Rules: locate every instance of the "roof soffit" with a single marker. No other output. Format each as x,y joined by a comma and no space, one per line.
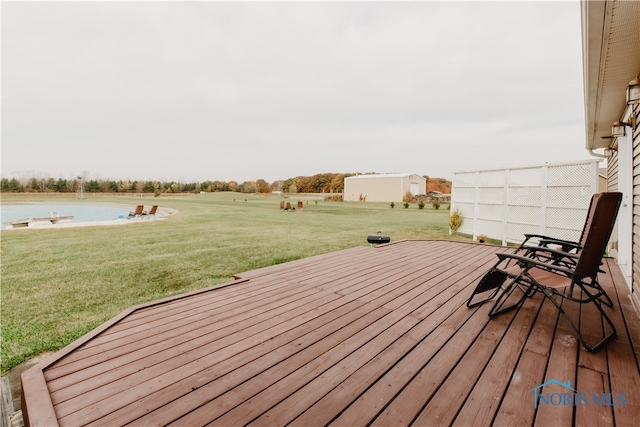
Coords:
611,58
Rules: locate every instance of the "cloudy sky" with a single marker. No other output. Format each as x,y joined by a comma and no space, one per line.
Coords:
197,91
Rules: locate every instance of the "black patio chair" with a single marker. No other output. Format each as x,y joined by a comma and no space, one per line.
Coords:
558,282
564,253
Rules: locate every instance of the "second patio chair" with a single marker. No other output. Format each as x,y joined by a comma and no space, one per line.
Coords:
515,274
567,251
151,212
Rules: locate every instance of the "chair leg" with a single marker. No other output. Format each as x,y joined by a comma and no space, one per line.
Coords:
600,293
592,348
498,306
491,281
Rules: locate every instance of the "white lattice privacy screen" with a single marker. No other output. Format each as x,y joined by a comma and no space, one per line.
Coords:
504,204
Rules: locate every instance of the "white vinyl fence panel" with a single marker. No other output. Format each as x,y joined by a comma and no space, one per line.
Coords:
550,199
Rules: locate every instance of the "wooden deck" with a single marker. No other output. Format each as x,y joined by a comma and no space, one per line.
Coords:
366,336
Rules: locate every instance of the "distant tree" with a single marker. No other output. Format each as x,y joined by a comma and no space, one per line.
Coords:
124,186
11,185
32,185
439,184
337,183
263,186
147,187
109,187
15,186
60,186
189,187
92,186
247,187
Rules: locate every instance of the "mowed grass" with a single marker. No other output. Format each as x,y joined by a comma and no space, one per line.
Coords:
58,284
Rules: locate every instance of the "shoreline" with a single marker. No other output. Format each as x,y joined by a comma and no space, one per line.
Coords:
161,215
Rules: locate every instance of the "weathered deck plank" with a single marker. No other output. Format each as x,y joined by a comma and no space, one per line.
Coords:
370,335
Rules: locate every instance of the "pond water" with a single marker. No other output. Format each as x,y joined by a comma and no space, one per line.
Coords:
80,213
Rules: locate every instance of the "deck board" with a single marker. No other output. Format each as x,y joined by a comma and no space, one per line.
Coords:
365,336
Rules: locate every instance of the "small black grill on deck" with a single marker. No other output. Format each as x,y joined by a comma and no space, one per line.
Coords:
378,238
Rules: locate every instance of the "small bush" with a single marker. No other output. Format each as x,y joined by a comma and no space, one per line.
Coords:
392,205
436,204
406,205
407,197
455,221
421,205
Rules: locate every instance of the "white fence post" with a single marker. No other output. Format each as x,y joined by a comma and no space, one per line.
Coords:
505,206
544,183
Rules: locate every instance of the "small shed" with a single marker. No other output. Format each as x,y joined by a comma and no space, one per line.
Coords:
383,187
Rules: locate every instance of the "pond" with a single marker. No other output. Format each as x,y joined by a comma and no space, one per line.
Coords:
80,213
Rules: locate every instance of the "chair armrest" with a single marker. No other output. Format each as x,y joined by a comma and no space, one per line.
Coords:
550,239
532,262
557,252
566,244
528,237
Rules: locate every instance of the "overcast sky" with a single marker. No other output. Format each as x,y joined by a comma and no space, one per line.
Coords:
196,91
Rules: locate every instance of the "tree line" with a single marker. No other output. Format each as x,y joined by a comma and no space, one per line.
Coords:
319,183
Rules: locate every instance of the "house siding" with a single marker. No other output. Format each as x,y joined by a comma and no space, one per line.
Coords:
612,185
635,254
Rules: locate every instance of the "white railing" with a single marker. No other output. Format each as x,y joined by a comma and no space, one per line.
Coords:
504,204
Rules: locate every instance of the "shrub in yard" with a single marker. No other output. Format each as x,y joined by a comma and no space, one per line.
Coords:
455,221
436,204
406,205
421,205
392,205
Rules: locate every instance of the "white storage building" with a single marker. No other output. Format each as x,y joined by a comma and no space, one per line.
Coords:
383,187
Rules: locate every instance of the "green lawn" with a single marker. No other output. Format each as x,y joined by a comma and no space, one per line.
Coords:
58,284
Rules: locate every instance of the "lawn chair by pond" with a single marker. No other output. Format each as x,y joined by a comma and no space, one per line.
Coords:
137,213
558,281
152,211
